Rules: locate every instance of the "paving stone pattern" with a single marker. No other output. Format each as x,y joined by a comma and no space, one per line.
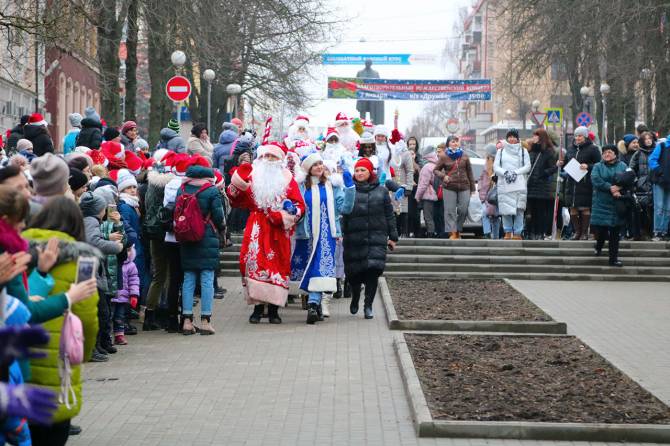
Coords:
335,383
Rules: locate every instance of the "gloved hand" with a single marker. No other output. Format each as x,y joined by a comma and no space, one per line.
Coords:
35,403
399,194
347,178
15,342
133,302
289,207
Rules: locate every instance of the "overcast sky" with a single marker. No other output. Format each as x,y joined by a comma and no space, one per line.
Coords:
389,27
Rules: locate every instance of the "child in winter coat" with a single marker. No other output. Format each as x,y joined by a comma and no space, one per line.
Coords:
126,296
426,193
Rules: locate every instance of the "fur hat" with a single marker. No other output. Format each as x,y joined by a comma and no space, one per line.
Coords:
75,119
125,179
309,161
367,138
381,130
50,175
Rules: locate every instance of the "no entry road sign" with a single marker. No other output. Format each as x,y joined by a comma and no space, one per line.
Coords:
178,88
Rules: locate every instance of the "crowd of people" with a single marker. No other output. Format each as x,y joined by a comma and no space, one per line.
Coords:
318,215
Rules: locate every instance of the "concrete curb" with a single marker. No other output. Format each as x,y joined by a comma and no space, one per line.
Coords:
426,426
455,325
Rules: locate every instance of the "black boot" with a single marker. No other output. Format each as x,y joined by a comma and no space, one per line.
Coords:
312,314
255,317
273,315
173,324
367,306
355,298
150,321
347,289
338,294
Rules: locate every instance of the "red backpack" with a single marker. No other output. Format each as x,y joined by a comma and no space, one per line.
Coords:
189,224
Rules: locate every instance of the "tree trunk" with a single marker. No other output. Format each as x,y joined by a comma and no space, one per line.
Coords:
131,62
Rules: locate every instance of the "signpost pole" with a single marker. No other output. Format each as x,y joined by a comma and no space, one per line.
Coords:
179,115
554,228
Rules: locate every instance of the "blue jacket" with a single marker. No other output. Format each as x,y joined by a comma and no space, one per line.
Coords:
222,151
70,141
344,203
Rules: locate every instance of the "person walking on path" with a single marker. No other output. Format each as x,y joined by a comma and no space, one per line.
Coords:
369,230
454,169
511,165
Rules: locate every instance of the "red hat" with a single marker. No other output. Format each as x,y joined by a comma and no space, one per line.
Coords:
127,126
218,178
148,163
367,165
592,136
167,159
180,163
238,122
114,175
332,131
98,157
301,121
341,118
112,149
134,163
197,160
37,119
272,148
241,176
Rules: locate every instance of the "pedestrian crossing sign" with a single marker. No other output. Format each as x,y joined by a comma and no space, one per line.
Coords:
554,116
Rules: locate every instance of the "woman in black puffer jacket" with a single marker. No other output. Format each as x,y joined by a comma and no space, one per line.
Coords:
368,230
540,197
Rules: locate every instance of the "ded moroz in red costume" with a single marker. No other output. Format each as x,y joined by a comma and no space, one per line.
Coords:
265,257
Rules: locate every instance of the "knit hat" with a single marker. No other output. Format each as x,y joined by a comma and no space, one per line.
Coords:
426,150
490,149
583,131
106,191
272,148
237,122
381,130
332,131
24,144
91,204
78,161
128,125
173,124
341,118
110,133
112,149
309,161
75,119
77,179
367,138
197,171
511,132
50,174
141,144
37,119
92,114
367,165
125,179
629,138
230,126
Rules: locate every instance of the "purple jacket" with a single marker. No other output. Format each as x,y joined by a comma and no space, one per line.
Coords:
425,189
131,280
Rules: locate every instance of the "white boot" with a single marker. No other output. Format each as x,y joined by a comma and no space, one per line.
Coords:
325,304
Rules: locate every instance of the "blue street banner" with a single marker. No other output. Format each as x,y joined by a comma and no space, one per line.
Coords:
412,90
377,59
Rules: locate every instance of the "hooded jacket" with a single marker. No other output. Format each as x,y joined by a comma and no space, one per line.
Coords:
222,150
153,201
171,140
40,138
511,158
130,280
425,189
90,135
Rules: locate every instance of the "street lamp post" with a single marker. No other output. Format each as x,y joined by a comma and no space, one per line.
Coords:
234,90
604,91
209,76
178,59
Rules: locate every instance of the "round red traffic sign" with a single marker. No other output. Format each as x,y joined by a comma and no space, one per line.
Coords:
178,88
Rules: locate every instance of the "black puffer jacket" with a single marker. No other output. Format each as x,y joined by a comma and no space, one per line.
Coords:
90,135
367,229
14,136
543,167
579,195
40,138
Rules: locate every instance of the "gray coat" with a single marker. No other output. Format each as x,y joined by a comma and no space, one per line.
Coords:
511,158
403,164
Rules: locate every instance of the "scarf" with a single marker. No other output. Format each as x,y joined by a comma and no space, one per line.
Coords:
10,240
130,200
455,154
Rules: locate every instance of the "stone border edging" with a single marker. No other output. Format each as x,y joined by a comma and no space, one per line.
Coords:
426,426
533,327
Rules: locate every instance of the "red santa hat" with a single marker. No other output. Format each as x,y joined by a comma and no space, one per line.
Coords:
160,154
340,119
37,119
180,164
134,163
168,159
272,148
301,121
148,164
98,158
241,176
198,160
114,175
332,131
112,149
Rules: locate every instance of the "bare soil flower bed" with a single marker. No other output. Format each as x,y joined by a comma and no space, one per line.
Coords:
466,300
527,378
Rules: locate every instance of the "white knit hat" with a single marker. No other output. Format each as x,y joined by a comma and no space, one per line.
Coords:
125,179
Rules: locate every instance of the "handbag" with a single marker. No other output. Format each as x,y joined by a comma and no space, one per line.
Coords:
492,195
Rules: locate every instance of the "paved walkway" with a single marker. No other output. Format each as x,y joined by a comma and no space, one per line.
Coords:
334,383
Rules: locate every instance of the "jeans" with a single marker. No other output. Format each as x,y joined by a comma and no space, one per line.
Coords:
661,209
314,297
455,209
119,317
513,223
490,224
206,291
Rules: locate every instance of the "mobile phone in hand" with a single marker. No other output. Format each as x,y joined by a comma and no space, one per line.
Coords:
86,267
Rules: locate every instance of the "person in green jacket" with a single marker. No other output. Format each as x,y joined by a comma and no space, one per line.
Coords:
605,220
61,218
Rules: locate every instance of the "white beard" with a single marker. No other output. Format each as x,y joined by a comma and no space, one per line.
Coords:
268,184
333,152
348,137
